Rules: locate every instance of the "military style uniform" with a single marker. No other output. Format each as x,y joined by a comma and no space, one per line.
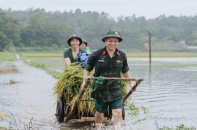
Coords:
109,90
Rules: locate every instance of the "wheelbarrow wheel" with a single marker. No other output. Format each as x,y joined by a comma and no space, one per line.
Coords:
60,110
123,113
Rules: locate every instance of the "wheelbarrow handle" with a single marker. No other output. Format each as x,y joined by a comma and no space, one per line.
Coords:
83,90
113,78
138,81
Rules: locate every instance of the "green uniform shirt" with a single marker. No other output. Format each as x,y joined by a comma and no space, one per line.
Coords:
109,90
68,54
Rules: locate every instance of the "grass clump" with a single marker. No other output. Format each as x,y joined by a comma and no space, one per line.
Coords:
3,116
35,64
133,110
180,127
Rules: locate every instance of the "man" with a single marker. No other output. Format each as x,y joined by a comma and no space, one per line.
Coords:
108,62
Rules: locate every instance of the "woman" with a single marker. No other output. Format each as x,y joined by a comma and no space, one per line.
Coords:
70,55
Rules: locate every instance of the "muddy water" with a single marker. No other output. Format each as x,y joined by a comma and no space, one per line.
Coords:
30,100
168,93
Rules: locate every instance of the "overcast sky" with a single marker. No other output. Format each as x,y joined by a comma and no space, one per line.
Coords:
115,8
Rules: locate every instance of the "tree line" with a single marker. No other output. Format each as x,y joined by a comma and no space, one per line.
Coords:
37,28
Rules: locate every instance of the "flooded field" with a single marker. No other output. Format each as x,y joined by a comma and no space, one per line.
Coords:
166,97
169,90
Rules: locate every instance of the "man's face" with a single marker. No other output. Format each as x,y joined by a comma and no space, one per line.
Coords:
83,45
74,42
111,43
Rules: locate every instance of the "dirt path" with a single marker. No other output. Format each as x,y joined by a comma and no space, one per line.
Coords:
29,99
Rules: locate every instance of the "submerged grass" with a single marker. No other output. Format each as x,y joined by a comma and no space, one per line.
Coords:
179,127
4,116
140,114
133,110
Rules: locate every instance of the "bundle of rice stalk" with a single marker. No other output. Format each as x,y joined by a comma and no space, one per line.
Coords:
86,105
70,80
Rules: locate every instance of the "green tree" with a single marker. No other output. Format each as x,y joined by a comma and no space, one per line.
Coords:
9,31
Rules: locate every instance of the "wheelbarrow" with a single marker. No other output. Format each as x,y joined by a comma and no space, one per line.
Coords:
65,114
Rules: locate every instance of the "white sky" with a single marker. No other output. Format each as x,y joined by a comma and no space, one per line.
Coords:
115,8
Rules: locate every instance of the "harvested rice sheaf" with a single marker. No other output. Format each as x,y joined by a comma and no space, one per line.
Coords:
70,81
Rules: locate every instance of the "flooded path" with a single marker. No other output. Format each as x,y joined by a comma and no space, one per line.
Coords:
29,100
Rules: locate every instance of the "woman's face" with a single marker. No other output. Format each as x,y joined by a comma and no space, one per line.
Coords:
74,42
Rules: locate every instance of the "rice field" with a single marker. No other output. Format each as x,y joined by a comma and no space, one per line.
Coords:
134,54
